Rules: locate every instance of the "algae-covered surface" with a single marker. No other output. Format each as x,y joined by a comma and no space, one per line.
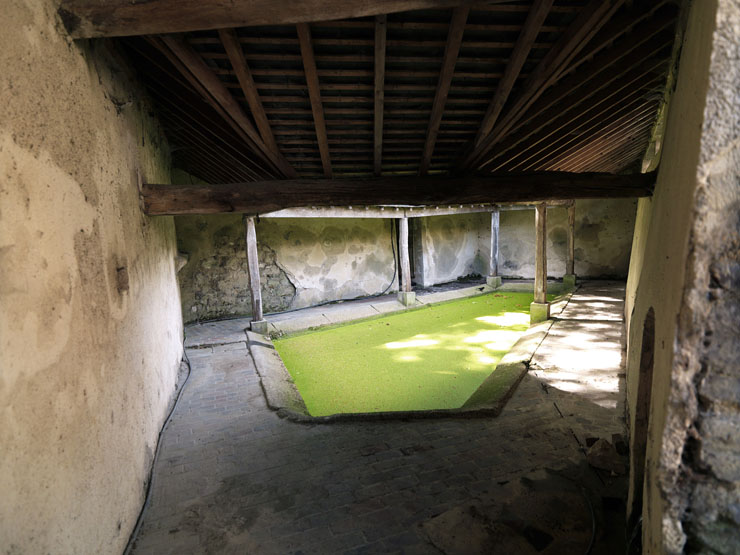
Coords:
431,358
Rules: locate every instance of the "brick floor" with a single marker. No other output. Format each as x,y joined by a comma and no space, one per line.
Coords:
232,477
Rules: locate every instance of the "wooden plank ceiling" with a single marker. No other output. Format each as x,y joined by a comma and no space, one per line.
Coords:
520,86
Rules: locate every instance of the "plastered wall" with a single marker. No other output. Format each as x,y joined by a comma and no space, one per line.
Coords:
603,235
90,326
686,268
451,247
303,261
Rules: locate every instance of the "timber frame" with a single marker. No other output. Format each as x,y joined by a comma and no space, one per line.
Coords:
409,102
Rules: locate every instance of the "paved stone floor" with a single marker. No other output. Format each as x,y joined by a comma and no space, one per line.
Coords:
232,477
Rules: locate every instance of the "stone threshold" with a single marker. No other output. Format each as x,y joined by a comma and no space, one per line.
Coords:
283,397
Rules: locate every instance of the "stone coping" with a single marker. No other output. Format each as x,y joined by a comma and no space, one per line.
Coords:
283,396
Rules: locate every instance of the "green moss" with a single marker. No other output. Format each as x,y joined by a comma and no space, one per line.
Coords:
433,358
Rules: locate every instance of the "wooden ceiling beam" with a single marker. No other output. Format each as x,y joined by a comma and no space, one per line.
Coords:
269,196
381,22
584,27
314,93
115,18
234,51
452,48
218,95
532,25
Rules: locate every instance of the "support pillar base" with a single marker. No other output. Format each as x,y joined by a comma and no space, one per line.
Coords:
259,326
493,281
407,298
538,312
569,281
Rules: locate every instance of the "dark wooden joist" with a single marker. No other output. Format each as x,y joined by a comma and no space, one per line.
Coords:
524,42
381,22
217,94
270,196
116,18
234,51
314,94
452,48
604,69
584,27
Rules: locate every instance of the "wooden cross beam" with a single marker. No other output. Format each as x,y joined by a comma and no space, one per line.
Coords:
270,196
115,18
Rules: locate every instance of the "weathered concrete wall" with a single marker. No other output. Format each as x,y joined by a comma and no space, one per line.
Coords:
603,235
90,327
690,276
303,261
451,247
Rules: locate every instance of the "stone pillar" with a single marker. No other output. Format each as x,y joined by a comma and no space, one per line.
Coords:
539,310
493,279
258,323
569,279
405,295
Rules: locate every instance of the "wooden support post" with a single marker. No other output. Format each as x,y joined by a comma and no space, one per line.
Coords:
405,295
540,308
258,323
493,279
569,279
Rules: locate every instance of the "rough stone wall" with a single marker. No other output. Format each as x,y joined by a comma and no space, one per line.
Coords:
603,235
215,281
90,327
690,275
451,247
303,261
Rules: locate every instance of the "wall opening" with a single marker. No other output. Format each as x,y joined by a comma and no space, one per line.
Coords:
640,436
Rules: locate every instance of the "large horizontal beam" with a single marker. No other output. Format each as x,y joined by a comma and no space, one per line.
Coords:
269,196
115,18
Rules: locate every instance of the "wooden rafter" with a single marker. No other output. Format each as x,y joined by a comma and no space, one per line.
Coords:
270,196
581,111
452,48
602,71
536,17
578,34
379,93
218,94
314,93
234,51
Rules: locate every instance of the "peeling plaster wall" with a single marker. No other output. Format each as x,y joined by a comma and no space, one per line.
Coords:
603,235
90,327
340,258
451,247
303,261
690,276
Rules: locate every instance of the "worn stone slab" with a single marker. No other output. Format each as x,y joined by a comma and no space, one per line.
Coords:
388,307
277,384
347,313
514,364
215,333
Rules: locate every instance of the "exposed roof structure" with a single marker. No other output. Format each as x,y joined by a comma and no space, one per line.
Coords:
490,87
